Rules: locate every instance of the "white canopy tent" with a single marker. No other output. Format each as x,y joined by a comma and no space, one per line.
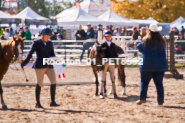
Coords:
89,6
80,17
29,15
147,21
110,16
5,15
150,18
177,22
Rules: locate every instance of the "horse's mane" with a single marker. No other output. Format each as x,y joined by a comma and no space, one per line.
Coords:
7,43
93,52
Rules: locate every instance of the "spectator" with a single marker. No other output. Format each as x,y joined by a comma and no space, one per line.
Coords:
178,49
183,31
59,36
6,34
135,33
53,37
111,29
176,31
27,33
80,34
1,31
125,31
142,32
87,45
12,32
99,29
90,32
154,63
106,29
21,32
117,32
182,44
180,37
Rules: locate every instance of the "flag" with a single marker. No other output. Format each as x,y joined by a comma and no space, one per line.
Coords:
61,76
22,3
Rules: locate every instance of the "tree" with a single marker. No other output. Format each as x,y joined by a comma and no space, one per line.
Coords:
161,10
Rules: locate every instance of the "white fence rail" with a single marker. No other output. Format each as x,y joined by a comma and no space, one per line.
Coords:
73,48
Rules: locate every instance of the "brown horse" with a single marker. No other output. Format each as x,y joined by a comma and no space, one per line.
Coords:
8,50
94,52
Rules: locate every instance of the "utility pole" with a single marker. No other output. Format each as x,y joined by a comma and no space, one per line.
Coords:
17,6
54,8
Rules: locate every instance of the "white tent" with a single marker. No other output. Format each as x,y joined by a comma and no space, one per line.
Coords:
89,6
5,15
28,13
147,21
29,16
177,22
150,18
80,17
110,16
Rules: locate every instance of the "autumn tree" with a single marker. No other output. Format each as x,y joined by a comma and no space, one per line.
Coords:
161,10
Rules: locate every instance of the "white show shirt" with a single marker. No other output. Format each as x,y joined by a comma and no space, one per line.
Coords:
108,43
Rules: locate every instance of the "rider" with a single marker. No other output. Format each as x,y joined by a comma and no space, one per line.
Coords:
44,49
110,52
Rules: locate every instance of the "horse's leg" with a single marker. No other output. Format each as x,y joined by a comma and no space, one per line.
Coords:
122,77
96,81
2,100
105,91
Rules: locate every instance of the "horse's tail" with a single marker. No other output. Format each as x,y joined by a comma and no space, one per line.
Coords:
121,74
119,77
89,50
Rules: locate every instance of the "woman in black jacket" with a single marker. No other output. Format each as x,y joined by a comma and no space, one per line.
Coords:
44,49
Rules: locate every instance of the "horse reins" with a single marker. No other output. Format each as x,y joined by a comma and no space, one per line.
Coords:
21,67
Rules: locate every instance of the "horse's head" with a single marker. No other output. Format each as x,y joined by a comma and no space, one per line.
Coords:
98,53
18,46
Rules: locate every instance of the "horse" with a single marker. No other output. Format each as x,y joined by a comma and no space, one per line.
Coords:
95,52
8,50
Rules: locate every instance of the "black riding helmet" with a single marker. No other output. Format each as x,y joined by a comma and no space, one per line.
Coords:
47,31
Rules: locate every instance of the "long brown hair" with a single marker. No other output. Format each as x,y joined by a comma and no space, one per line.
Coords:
152,38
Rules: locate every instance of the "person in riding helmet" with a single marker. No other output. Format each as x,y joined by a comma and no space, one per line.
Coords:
110,52
44,49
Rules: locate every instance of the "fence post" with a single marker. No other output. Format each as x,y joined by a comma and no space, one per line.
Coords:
174,73
65,51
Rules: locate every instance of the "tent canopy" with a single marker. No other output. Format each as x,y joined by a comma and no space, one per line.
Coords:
147,21
28,13
177,22
80,17
110,16
5,15
89,6
150,18
179,27
28,16
6,18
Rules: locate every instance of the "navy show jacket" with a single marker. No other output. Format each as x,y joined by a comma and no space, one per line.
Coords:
153,59
42,51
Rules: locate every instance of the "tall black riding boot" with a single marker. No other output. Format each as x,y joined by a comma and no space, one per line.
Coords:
52,90
37,95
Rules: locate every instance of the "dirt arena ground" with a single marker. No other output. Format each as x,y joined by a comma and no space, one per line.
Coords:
78,103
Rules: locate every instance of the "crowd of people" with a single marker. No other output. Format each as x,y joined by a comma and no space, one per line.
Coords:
92,33
6,33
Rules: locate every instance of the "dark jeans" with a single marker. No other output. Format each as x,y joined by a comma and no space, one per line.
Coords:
158,80
86,46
